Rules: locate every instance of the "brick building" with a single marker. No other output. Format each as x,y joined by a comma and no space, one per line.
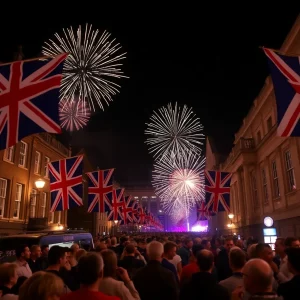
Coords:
21,203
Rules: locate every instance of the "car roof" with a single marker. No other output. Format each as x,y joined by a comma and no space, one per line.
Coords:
43,233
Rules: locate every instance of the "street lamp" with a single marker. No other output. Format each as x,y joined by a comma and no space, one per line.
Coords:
231,216
39,184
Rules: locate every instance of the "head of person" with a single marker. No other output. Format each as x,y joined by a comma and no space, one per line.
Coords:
155,251
129,250
265,252
237,259
8,274
293,260
205,260
292,242
170,250
110,263
22,252
188,243
90,269
195,249
42,286
57,256
258,276
36,251
280,246
206,244
228,244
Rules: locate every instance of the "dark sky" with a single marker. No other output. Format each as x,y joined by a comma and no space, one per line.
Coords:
207,58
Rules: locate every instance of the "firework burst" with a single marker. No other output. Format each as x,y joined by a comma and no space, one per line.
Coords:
179,181
92,64
73,115
174,130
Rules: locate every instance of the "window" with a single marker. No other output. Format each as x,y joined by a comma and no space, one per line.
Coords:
269,123
32,210
3,188
275,180
37,162
43,205
58,217
254,189
23,154
18,199
46,170
51,217
9,154
290,171
265,186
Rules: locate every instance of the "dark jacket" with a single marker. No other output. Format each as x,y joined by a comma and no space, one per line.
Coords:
222,265
154,282
204,286
289,289
131,264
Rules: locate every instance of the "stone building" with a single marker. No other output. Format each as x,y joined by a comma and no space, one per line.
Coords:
265,167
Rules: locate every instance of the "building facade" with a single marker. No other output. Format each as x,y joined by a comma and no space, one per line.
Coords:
146,197
21,203
265,167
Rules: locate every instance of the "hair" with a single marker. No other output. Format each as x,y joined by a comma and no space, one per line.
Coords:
260,247
7,271
130,249
237,258
196,248
205,260
44,247
281,240
110,263
168,246
100,246
80,253
155,250
113,241
41,286
55,254
260,273
20,249
289,240
34,247
294,258
90,267
204,242
251,251
228,239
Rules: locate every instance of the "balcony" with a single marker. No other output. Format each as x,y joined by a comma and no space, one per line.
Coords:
243,145
53,142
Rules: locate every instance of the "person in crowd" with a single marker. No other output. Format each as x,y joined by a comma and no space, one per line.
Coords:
185,251
42,286
265,252
257,282
203,285
251,251
129,262
109,285
141,247
292,242
222,260
237,260
8,280
43,260
154,281
57,259
90,270
280,249
291,288
34,261
120,248
206,244
169,253
23,255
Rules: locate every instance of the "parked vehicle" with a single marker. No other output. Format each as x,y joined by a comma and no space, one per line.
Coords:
67,238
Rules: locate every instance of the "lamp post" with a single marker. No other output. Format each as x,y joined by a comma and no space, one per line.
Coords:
39,184
230,216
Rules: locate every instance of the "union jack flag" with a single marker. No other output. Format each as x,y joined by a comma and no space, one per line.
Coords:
135,212
126,210
29,97
142,215
285,73
115,203
99,184
66,183
203,213
217,187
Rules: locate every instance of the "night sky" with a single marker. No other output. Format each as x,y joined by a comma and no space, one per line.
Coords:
204,58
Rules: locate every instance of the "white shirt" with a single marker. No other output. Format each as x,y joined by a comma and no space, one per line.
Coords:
284,274
23,269
175,261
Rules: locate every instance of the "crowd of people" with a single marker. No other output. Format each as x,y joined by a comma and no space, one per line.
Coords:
162,266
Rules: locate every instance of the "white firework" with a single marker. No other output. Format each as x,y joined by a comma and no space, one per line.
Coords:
92,64
179,181
174,130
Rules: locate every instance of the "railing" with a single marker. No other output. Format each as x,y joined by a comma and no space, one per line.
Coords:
54,143
244,145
